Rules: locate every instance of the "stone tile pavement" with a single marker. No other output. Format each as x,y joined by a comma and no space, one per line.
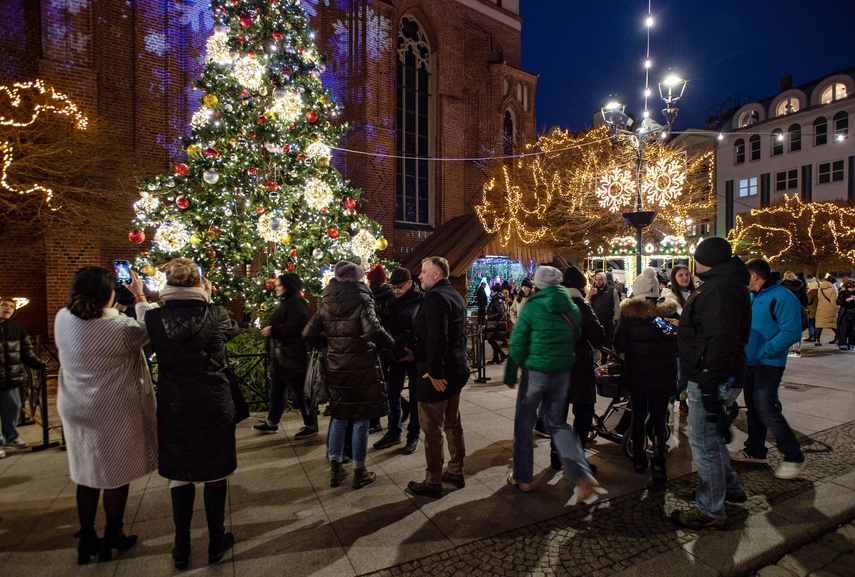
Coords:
289,521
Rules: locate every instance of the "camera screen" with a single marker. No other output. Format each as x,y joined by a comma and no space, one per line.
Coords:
123,271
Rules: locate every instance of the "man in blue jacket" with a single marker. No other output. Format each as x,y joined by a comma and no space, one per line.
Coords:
776,323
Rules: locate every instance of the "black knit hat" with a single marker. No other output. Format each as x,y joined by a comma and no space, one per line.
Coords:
574,278
527,282
713,251
400,276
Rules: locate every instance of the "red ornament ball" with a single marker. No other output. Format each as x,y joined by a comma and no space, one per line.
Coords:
286,147
323,210
182,202
271,185
181,169
209,152
259,209
261,119
136,236
301,157
277,35
211,252
250,53
252,134
241,38
293,252
215,230
292,126
245,20
332,232
350,204
290,267
244,92
270,284
312,116
252,170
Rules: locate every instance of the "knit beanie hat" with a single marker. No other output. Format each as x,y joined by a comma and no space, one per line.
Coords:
376,275
400,276
574,278
527,282
348,272
646,285
713,251
546,276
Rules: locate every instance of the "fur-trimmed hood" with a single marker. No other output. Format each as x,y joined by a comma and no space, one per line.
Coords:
647,309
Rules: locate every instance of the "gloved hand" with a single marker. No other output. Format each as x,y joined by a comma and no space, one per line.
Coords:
713,405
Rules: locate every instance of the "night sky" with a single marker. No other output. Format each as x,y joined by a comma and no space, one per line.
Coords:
584,51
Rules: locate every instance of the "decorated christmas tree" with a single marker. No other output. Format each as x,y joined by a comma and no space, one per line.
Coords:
256,195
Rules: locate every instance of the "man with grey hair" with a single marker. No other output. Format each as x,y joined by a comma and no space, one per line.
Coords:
442,370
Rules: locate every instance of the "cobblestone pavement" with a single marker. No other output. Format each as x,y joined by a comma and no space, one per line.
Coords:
618,536
833,555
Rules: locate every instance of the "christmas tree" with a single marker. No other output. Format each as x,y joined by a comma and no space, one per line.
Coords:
256,192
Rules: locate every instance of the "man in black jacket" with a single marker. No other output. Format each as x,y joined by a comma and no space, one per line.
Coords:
16,350
605,301
400,322
441,362
481,295
712,334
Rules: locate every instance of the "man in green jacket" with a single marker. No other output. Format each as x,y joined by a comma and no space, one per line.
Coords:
543,344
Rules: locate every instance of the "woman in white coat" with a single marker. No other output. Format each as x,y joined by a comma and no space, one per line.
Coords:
106,402
826,307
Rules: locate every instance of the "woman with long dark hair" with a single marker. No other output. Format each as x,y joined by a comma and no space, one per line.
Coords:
106,403
681,288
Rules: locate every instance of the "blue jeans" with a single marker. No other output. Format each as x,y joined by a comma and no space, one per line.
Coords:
764,412
395,385
359,445
550,389
10,412
710,454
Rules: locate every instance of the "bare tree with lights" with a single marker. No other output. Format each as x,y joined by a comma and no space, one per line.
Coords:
256,184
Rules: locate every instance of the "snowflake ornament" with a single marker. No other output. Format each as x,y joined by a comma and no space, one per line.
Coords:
616,189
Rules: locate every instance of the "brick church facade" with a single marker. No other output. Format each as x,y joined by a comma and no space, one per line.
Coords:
425,84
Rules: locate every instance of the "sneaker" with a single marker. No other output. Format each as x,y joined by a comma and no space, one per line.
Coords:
524,487
586,487
789,470
791,354
305,433
696,520
797,354
452,479
741,456
841,347
411,446
540,429
266,428
808,340
387,440
16,445
2,453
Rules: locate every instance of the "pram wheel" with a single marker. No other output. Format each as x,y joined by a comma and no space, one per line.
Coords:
626,441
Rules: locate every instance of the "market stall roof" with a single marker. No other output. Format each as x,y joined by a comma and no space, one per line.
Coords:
462,240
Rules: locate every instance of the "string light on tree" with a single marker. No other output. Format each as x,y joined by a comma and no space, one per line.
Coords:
363,244
171,237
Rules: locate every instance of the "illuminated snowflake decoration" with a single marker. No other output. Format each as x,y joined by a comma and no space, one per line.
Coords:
156,282
249,72
217,49
378,36
663,181
272,227
318,151
616,189
318,194
287,105
171,237
363,245
201,117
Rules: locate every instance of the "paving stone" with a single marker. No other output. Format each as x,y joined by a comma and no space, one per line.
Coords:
774,571
840,568
800,563
837,542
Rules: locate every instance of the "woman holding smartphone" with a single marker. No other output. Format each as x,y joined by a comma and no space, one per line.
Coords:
107,406
195,410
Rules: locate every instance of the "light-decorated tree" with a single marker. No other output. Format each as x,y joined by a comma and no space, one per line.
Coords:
256,192
813,236
569,192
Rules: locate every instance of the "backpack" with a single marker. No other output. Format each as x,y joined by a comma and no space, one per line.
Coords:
805,318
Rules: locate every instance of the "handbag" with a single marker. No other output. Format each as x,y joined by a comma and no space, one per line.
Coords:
241,407
315,385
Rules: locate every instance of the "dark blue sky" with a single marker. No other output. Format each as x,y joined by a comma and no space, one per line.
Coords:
584,51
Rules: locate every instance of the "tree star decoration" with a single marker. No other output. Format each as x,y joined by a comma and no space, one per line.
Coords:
171,237
663,181
363,245
616,189
318,194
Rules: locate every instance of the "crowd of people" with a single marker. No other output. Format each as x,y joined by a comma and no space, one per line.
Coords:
726,331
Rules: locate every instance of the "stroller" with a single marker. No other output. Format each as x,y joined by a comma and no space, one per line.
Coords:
615,422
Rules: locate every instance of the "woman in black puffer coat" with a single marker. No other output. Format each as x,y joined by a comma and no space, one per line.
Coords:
195,410
496,330
649,374
347,319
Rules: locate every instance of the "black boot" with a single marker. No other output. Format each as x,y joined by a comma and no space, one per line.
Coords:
219,542
114,507
657,468
88,546
183,498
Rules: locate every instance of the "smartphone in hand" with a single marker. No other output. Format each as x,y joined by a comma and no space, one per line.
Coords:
664,325
123,272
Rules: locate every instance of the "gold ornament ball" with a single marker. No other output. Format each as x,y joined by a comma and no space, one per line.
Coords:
382,243
148,270
210,236
194,150
210,100
195,238
285,238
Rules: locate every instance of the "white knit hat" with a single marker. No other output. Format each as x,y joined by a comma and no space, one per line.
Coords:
646,285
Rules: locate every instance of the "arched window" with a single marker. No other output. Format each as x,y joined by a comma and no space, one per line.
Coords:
787,106
739,147
777,142
820,131
832,92
795,132
841,125
754,145
748,118
413,171
509,134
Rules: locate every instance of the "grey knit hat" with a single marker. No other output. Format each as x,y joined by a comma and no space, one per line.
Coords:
546,276
348,272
